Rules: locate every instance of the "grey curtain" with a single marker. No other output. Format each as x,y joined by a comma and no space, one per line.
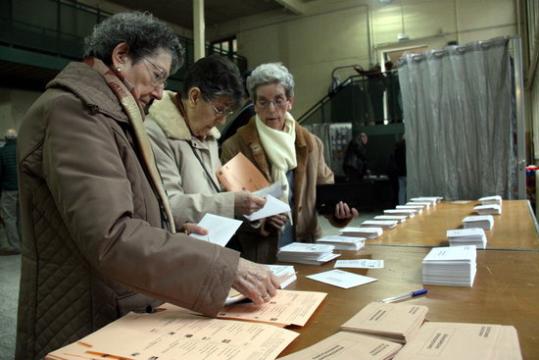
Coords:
459,121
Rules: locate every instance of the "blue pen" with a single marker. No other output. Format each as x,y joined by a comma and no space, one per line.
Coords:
405,296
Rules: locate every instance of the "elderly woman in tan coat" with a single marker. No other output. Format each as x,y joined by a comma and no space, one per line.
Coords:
284,152
181,127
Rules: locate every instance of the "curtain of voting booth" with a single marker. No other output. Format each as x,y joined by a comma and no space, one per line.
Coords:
460,124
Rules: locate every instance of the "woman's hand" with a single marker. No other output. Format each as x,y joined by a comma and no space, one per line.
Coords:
192,228
277,221
255,281
343,211
246,203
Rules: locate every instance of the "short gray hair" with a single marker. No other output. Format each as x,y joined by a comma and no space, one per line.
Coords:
271,73
143,33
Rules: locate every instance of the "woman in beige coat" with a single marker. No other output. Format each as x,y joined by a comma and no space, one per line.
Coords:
181,127
284,152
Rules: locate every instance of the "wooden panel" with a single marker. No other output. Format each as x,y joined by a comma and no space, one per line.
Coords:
513,229
506,291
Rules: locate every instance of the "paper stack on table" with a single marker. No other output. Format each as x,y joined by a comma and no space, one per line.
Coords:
406,212
343,242
306,253
491,200
417,208
471,236
178,334
424,204
346,346
366,232
450,266
287,307
384,224
399,218
396,322
431,199
485,222
488,209
449,341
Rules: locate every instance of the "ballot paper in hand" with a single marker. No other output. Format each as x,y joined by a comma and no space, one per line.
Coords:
220,229
342,279
360,264
272,207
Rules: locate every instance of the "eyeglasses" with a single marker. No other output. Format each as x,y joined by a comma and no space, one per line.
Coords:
278,102
158,75
226,112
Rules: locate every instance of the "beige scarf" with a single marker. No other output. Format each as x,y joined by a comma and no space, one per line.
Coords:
136,117
280,149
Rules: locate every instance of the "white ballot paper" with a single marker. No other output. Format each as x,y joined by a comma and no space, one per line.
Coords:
272,207
173,335
342,279
360,264
220,229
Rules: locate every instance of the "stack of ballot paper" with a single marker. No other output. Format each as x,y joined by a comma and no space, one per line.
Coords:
417,208
451,266
424,204
175,333
306,253
471,236
405,212
287,307
398,218
396,322
366,232
430,199
488,209
485,222
343,242
449,341
384,224
286,274
346,345
491,200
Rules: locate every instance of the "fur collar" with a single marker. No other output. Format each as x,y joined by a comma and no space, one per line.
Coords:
166,114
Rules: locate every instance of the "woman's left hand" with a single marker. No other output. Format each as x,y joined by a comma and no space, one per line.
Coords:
343,211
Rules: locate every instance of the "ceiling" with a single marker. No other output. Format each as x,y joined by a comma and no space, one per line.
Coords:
180,12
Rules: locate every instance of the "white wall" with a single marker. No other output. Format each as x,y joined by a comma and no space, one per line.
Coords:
336,32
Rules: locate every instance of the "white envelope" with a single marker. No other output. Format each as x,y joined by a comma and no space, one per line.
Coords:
272,207
220,229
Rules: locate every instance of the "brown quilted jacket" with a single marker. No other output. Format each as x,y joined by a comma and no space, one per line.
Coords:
93,248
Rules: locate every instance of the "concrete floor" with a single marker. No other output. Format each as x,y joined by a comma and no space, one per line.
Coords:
9,289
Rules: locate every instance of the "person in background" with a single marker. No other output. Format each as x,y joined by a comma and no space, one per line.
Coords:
99,239
355,163
9,201
287,153
181,127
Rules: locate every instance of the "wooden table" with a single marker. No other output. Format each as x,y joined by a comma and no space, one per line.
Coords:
506,288
513,229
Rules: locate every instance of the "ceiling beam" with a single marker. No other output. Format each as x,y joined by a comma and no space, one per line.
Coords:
295,6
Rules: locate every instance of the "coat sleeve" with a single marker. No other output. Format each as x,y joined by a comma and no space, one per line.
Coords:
325,175
185,207
87,177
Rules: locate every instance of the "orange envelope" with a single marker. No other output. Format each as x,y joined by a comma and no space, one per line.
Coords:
240,174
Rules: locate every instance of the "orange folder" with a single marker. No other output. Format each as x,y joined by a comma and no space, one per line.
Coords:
240,174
